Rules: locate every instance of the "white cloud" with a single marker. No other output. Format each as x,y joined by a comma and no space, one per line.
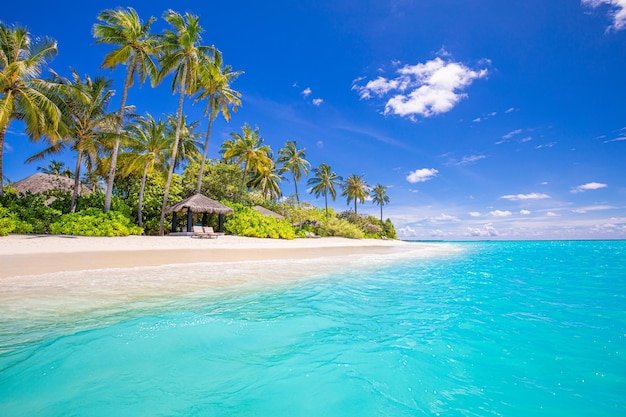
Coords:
583,210
512,133
421,175
552,214
319,144
443,218
587,187
617,13
477,120
526,139
547,145
470,159
306,92
500,213
524,212
531,196
510,110
474,214
621,138
486,231
317,101
424,89
7,147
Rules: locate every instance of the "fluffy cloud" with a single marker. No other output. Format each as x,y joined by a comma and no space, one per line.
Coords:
421,175
531,196
588,186
524,212
424,89
306,92
317,101
618,11
500,213
486,231
443,218
474,214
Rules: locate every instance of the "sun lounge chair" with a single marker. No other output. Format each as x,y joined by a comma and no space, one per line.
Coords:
198,231
311,235
210,233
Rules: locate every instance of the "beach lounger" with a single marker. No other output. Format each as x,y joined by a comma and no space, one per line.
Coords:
210,233
311,235
198,231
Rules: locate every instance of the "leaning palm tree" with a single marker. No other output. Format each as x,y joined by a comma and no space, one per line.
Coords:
135,47
355,188
380,197
182,56
148,148
247,149
324,182
293,160
87,121
23,94
214,87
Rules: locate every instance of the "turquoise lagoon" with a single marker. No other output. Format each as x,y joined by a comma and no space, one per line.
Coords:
488,329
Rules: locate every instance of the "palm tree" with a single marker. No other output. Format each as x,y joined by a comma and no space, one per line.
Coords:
148,148
247,149
293,161
56,168
355,188
380,197
86,120
23,95
182,55
188,143
324,182
267,180
214,86
135,47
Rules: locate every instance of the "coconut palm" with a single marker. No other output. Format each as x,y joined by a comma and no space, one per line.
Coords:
23,94
182,56
136,48
267,180
293,160
324,182
380,197
247,149
56,168
86,120
148,148
355,188
214,87
188,142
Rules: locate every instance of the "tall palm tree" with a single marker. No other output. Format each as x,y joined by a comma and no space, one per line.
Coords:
86,119
182,56
247,149
135,47
188,142
293,160
380,197
23,94
267,179
324,182
214,87
355,188
148,148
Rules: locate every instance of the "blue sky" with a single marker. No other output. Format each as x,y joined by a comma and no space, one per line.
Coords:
486,119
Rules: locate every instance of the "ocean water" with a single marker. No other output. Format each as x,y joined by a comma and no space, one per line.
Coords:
492,329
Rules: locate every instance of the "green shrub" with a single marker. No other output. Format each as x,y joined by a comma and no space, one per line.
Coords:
93,222
340,228
30,209
249,222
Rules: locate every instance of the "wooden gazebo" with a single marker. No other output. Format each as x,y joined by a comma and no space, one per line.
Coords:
198,203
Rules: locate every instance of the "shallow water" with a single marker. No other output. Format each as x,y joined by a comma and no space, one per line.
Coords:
499,328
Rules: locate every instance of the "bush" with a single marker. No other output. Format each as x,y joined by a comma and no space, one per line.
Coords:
340,228
9,223
249,222
31,210
93,222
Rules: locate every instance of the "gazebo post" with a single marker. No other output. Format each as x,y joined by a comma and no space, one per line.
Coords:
220,227
189,220
204,219
174,218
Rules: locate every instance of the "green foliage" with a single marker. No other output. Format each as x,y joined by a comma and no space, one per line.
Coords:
30,209
388,230
249,222
220,181
7,222
93,222
340,228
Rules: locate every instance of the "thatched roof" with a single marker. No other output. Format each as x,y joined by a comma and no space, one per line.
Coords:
267,212
40,182
199,203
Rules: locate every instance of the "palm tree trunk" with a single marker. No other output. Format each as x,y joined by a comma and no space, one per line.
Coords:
355,205
295,183
170,172
141,189
206,147
326,202
118,130
3,133
381,220
79,158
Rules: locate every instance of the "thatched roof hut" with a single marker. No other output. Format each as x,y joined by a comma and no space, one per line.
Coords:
40,183
268,213
198,203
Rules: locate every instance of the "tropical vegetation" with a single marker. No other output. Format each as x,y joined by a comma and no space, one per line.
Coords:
136,165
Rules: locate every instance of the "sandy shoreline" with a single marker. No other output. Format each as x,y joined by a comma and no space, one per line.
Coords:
22,255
